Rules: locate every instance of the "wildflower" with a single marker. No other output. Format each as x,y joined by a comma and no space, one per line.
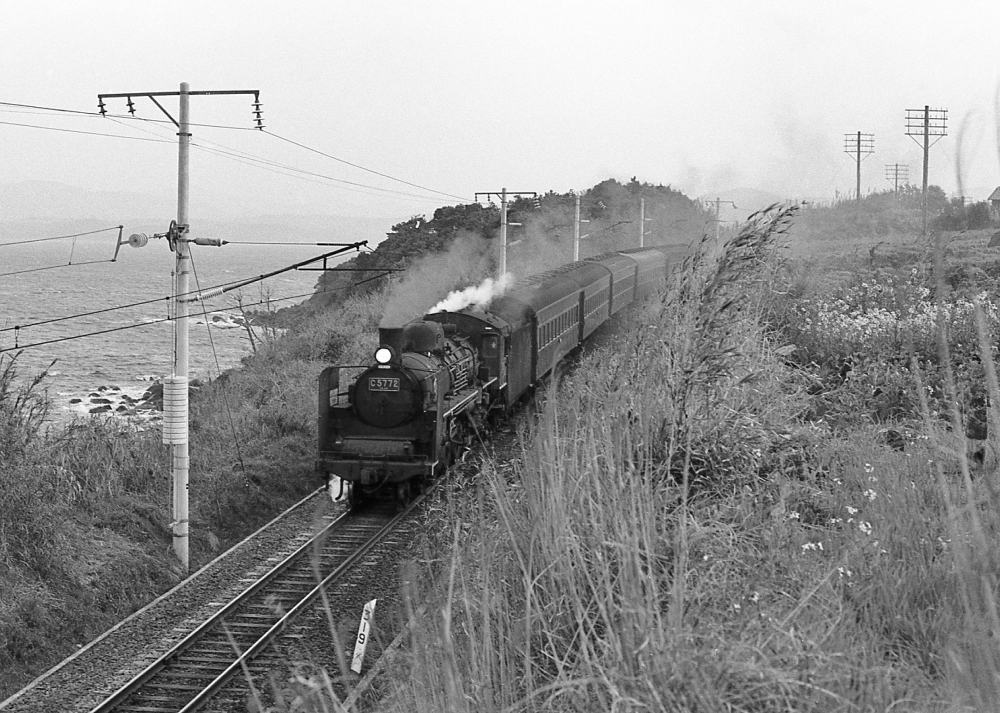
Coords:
869,468
865,527
844,572
850,510
812,546
870,494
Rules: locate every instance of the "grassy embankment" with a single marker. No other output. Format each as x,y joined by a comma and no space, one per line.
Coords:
85,510
760,499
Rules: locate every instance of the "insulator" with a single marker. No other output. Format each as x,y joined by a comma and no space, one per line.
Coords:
216,242
131,107
138,240
100,106
206,295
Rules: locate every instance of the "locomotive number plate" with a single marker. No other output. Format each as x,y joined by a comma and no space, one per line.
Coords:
376,383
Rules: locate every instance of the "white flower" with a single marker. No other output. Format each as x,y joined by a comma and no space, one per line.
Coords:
870,494
865,527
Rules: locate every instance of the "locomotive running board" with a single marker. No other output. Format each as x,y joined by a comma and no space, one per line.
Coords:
464,402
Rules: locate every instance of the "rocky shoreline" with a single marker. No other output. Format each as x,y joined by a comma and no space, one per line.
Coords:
116,401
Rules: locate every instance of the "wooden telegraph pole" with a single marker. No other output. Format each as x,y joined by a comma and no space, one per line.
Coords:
925,123
859,146
896,172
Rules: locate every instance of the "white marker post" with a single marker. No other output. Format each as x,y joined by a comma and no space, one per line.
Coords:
362,642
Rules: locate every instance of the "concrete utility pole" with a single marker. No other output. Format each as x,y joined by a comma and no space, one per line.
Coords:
859,146
718,221
503,221
576,231
642,222
175,387
926,123
896,172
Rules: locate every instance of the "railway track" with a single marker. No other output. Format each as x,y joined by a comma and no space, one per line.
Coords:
198,667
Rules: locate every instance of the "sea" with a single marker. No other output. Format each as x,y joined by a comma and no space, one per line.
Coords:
96,327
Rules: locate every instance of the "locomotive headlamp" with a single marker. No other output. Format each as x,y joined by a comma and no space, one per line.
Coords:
383,355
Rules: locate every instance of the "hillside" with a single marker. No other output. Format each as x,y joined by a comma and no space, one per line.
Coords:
457,246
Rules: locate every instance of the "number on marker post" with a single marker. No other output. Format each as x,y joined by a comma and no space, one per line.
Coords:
362,642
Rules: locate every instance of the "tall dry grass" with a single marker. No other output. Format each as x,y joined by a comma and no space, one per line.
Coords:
599,571
676,535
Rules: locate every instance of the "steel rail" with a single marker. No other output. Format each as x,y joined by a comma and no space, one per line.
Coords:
161,598
121,696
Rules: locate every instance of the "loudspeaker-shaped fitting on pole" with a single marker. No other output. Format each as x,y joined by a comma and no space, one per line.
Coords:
175,410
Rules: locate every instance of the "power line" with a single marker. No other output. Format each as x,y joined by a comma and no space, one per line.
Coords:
50,108
218,368
61,237
249,157
158,321
117,307
81,336
88,133
363,168
52,267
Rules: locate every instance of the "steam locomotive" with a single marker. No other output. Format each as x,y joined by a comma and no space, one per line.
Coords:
435,381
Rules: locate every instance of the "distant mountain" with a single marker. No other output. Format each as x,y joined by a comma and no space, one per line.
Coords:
47,200
33,209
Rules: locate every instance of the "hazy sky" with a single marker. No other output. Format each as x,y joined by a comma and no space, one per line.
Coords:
461,97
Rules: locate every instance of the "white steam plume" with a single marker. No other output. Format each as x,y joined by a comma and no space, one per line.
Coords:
478,295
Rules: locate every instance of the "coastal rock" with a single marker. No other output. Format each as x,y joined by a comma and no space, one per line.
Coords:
112,400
